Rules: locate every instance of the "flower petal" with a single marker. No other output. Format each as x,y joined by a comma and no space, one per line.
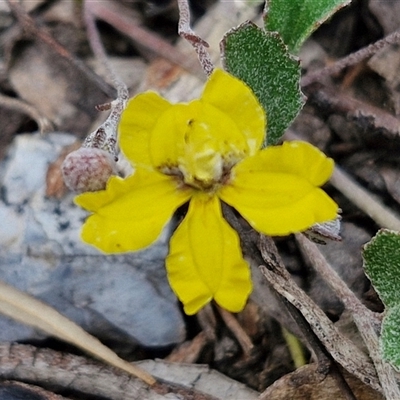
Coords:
137,123
234,98
276,190
205,259
131,213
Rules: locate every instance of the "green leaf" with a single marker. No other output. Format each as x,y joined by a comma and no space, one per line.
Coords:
295,20
390,337
382,266
262,61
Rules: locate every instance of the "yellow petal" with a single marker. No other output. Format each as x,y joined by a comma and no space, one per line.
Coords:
234,98
131,213
277,192
137,123
205,259
197,137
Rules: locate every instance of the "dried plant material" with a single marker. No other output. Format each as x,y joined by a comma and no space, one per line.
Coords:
324,232
392,180
28,310
55,91
188,352
350,60
55,186
44,124
366,321
239,333
341,349
367,202
308,383
91,379
28,5
386,63
12,390
196,41
387,12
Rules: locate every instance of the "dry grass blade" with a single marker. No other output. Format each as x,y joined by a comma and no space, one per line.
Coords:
382,215
28,310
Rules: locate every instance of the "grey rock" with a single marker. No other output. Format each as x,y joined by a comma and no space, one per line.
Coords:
119,297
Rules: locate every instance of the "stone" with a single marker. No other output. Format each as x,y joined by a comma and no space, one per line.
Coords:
114,297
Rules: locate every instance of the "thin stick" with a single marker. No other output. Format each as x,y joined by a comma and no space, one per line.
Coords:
12,103
320,333
366,321
196,41
119,17
105,137
367,202
28,310
29,25
234,326
341,349
351,59
374,122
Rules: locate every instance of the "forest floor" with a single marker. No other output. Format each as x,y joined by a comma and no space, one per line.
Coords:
351,115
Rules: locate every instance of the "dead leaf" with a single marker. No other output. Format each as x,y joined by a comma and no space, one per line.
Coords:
307,383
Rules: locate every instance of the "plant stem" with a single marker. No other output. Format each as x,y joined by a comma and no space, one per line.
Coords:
342,349
196,41
30,27
44,124
351,59
105,137
234,326
382,215
366,321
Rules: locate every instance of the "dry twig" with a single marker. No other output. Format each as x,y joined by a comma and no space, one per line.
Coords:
119,17
367,202
105,136
196,41
351,59
367,322
44,124
234,326
30,27
339,347
373,120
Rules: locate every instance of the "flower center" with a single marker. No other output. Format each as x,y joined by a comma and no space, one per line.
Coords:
198,144
206,171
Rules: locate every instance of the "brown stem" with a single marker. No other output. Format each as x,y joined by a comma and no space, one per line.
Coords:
44,124
351,59
314,329
196,41
373,120
234,326
119,17
366,321
30,27
105,137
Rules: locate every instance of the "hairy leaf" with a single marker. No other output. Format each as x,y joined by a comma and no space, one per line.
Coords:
295,20
390,337
262,61
382,265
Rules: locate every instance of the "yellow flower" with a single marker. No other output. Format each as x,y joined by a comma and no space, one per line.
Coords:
205,152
